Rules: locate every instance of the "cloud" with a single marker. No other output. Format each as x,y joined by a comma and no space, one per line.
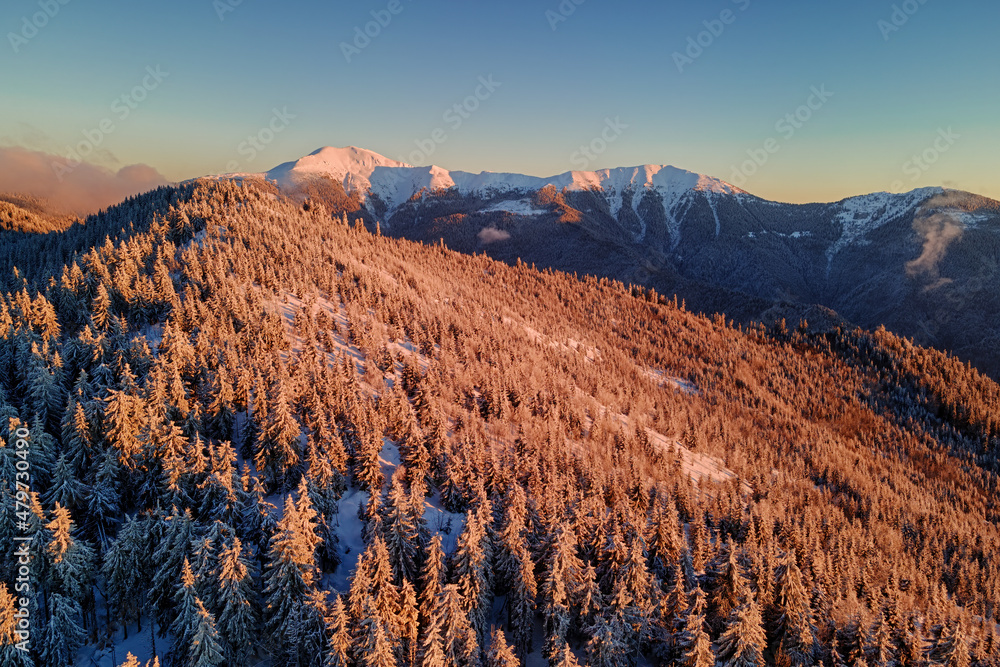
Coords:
492,235
78,188
939,230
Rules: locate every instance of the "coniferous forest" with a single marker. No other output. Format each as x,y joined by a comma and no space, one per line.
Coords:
238,429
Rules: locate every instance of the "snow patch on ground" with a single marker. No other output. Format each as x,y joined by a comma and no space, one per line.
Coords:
662,379
517,207
862,215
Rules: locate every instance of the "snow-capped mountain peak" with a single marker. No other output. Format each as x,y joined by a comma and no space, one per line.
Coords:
367,173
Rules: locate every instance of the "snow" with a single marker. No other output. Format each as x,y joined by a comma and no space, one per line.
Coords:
967,219
793,235
395,183
517,207
860,216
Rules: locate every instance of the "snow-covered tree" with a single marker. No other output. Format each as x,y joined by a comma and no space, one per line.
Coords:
238,617
500,653
742,643
63,634
794,630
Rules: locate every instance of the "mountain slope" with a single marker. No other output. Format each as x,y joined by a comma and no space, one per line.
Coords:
923,263
242,400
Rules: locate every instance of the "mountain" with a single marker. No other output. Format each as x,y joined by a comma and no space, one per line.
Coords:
923,263
25,213
252,433
238,430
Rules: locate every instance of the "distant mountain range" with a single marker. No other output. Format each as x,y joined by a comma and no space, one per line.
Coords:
925,264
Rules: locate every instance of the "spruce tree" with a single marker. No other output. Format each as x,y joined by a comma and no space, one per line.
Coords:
401,535
70,562
521,604
186,621
728,587
458,637
500,653
794,631
289,574
125,569
63,634
409,624
952,648
237,621
206,649
608,644
743,642
10,655
693,645
338,652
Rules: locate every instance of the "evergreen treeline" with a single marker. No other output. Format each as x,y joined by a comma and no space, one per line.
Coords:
210,369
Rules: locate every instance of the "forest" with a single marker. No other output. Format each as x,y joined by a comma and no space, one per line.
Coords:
240,429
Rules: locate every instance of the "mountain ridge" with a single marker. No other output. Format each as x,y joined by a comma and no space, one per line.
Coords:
924,263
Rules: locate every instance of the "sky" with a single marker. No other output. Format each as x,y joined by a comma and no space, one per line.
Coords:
793,100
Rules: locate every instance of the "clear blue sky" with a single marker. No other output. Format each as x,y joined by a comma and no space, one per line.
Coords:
557,87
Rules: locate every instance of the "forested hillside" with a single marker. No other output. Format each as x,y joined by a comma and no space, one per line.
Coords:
239,430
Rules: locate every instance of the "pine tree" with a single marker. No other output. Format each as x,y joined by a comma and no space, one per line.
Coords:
401,535
339,649
122,427
728,587
66,489
432,578
374,649
289,575
125,571
521,604
70,562
238,616
187,620
382,595
743,642
409,624
671,619
170,554
561,572
469,571
794,631
694,647
952,648
608,644
103,510
459,637
879,649
10,655
500,653
567,659
279,448
432,652
63,634
206,649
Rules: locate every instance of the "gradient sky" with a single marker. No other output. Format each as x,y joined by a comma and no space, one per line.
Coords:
557,87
